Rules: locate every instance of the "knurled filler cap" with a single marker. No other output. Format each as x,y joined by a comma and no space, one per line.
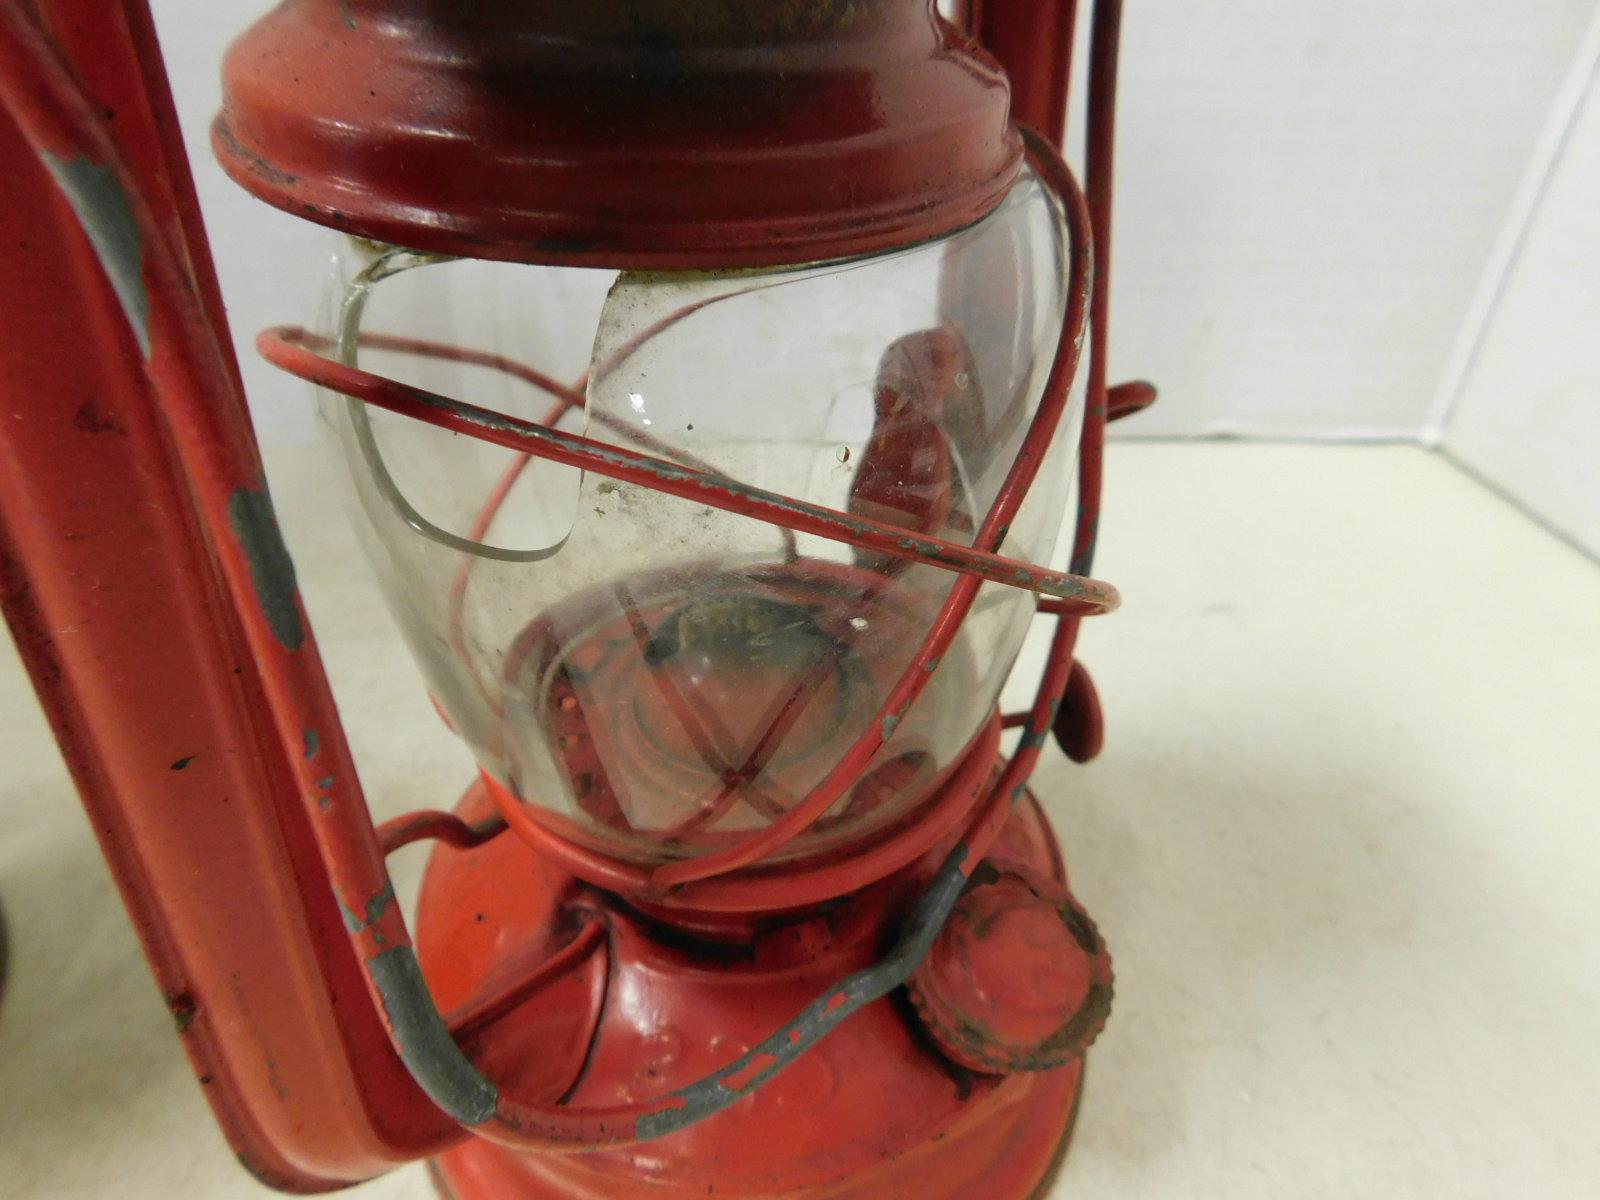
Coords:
1018,980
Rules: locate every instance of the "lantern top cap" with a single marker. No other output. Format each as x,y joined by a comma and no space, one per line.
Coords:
620,133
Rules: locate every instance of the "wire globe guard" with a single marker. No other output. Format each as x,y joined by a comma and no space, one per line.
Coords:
422,1037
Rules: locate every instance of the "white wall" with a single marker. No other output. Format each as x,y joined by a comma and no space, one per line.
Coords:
1526,415
1308,195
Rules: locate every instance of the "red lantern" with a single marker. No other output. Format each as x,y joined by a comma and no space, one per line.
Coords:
746,901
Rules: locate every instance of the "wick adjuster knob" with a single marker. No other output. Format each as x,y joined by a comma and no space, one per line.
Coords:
1019,979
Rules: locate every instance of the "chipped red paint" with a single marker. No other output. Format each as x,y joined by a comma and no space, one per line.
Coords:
198,606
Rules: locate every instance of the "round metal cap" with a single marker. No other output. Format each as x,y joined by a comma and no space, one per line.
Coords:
620,133
1019,979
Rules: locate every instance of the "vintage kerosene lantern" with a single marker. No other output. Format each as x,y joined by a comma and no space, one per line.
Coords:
705,374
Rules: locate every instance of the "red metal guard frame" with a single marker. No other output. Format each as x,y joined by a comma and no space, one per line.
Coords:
252,691
1079,596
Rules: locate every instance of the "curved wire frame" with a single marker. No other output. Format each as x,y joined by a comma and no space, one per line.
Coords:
291,349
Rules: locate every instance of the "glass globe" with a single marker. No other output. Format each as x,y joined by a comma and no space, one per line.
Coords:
658,677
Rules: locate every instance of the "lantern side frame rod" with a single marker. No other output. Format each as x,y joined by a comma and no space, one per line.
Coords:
1100,117
1105,404
185,365
84,87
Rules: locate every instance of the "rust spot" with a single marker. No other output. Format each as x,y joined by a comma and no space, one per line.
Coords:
183,1010
89,419
255,526
257,165
379,903
105,212
371,912
275,1081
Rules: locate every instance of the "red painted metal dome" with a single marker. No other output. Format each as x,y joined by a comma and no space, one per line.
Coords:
625,133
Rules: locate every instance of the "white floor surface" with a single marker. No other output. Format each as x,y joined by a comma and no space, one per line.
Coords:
1344,842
